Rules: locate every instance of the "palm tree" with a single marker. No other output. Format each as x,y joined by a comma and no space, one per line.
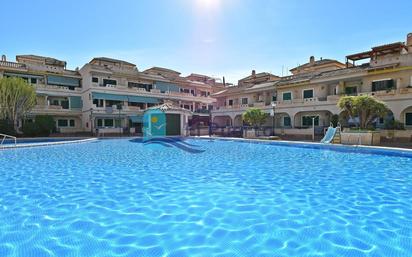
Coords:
366,108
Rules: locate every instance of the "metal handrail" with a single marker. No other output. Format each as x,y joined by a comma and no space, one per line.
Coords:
7,136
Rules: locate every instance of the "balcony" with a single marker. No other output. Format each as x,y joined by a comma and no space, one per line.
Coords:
42,87
54,109
202,111
13,65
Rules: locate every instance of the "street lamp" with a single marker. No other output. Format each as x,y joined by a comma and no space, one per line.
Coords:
119,107
272,113
91,121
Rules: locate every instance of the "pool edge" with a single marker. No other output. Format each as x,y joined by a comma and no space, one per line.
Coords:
29,145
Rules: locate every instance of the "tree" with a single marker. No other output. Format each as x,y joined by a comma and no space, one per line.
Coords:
17,98
366,108
254,117
42,126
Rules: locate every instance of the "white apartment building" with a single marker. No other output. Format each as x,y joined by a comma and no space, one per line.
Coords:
109,95
314,89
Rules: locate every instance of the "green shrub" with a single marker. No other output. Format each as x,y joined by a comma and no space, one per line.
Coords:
42,126
394,124
6,127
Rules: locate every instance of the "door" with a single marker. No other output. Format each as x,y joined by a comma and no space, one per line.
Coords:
173,125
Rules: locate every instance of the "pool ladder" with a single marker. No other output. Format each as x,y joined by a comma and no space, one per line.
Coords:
7,136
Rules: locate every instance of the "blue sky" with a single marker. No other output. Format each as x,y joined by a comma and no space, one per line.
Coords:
214,37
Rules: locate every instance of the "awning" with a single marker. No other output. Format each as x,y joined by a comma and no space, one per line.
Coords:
142,99
21,75
63,81
164,86
105,96
136,118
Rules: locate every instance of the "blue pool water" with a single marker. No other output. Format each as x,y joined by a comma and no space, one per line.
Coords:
124,198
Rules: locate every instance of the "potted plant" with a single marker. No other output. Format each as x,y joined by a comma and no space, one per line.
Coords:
255,118
367,109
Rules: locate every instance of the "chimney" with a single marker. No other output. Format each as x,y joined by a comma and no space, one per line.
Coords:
253,73
3,58
224,82
312,59
409,41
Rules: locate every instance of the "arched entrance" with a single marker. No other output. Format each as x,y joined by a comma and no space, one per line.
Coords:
222,121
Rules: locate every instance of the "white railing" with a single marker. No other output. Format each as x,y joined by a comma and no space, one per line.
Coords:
12,65
8,136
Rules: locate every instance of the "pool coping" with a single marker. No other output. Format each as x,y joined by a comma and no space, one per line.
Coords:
28,145
382,150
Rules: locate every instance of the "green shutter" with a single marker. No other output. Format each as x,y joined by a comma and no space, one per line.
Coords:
63,81
113,97
76,102
286,121
307,94
164,87
287,96
408,119
142,99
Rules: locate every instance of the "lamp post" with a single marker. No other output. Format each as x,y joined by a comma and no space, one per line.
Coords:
119,108
91,121
272,113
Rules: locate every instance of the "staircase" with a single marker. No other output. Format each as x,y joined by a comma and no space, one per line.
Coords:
337,137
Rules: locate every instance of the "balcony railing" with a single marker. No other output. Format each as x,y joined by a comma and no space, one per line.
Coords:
53,108
56,88
203,111
14,65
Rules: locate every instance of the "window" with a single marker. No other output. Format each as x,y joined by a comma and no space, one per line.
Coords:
274,98
408,119
286,121
287,96
108,122
64,103
33,81
62,123
99,122
244,100
307,121
351,90
109,82
308,93
230,102
95,80
98,102
147,87
382,85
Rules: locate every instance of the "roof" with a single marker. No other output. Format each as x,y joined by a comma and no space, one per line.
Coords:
316,63
162,69
377,50
297,78
106,59
344,71
262,86
258,75
47,60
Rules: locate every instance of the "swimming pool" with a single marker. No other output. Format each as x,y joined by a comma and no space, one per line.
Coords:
126,198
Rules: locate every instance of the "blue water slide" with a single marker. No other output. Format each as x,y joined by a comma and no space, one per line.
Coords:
330,134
